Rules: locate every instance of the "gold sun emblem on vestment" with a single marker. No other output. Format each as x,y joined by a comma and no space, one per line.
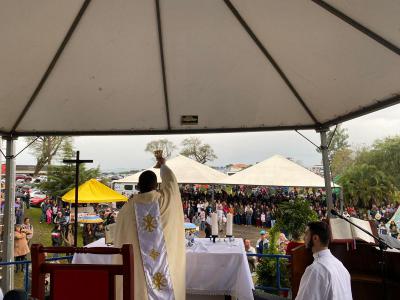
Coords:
154,254
159,281
150,223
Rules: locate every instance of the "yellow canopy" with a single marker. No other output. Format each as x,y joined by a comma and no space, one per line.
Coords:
93,191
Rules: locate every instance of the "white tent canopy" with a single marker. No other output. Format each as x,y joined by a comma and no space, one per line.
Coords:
82,67
186,170
276,171
140,67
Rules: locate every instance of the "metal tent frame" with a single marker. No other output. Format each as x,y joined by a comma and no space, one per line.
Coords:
320,126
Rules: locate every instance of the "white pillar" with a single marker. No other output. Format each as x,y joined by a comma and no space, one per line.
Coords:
327,173
9,216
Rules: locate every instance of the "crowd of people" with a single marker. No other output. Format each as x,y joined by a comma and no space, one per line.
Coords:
259,207
256,208
61,219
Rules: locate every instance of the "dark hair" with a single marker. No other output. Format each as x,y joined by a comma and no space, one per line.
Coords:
147,181
26,219
322,230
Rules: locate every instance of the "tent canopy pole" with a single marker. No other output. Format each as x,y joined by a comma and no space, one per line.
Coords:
9,216
327,173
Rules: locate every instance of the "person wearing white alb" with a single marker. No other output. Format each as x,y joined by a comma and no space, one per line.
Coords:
326,278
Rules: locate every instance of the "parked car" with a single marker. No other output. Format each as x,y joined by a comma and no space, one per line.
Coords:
37,197
37,193
36,201
40,179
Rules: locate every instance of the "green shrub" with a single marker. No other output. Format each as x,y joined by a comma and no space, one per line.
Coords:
266,269
293,217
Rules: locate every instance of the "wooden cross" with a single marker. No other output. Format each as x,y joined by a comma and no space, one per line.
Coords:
77,163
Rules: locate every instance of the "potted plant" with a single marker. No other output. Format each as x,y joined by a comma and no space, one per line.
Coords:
293,217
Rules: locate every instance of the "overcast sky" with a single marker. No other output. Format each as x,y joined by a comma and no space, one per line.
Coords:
127,152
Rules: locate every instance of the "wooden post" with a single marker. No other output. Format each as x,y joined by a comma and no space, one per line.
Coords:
38,282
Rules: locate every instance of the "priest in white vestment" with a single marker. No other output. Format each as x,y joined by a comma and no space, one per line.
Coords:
158,245
326,278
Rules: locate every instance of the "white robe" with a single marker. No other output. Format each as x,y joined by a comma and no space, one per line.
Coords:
172,220
325,279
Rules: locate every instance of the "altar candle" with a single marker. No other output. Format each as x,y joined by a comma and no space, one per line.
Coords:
214,224
229,224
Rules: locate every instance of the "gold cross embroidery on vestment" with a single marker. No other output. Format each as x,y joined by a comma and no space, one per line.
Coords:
154,254
150,223
159,281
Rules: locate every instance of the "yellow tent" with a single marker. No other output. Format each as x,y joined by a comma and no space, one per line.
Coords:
93,191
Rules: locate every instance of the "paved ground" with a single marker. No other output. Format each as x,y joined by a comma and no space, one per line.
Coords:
242,231
249,232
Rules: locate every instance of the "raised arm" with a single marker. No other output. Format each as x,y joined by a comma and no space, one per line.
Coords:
168,179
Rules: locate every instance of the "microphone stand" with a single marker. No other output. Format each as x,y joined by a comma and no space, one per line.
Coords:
381,244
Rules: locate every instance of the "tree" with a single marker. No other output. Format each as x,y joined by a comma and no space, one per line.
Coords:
165,145
61,179
339,140
46,148
194,148
342,159
385,156
293,217
364,185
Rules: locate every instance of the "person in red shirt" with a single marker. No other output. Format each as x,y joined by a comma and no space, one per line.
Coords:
295,242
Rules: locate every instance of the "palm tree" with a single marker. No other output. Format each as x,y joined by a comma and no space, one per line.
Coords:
364,185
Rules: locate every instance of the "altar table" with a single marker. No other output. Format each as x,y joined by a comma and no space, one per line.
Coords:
219,268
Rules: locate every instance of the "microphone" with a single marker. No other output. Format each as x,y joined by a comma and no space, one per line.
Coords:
334,212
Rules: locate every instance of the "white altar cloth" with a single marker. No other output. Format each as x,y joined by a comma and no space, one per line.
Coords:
211,269
218,269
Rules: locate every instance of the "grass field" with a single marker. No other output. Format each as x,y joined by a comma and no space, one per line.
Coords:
42,232
41,235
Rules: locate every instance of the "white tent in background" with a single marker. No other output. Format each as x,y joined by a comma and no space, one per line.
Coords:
186,170
276,171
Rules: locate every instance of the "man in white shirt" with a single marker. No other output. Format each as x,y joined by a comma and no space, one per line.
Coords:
326,278
251,259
